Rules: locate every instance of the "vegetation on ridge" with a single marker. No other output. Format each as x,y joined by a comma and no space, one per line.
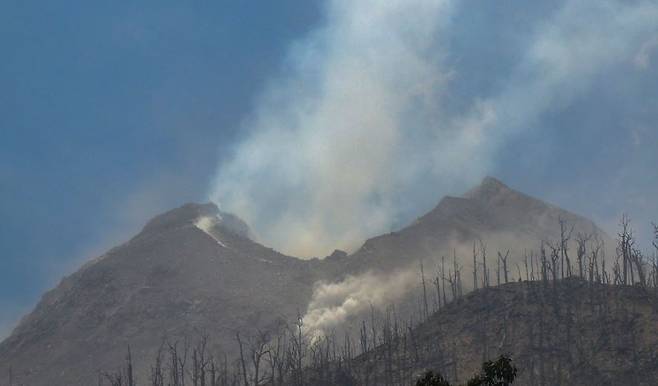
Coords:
568,320
500,372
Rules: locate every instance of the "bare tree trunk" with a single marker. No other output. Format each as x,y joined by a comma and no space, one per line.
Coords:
458,276
257,350
485,272
503,259
242,360
425,304
129,368
437,284
498,269
624,247
443,277
475,268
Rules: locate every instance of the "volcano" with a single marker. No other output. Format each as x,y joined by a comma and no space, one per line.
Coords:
196,271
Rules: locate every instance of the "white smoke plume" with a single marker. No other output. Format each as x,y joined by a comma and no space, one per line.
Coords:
572,50
321,166
354,131
333,303
207,224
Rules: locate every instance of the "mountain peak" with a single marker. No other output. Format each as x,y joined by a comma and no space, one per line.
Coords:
489,188
191,213
186,214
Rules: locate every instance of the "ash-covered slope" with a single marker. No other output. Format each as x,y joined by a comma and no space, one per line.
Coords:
194,270
191,270
492,212
570,332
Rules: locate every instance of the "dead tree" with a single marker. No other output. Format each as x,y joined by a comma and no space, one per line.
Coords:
297,350
503,259
624,249
485,272
124,376
498,269
426,311
581,251
443,277
654,264
655,233
257,350
565,236
243,363
200,362
453,284
363,337
115,379
157,372
475,268
277,359
454,278
598,252
637,258
177,363
544,263
458,273
437,286
129,368
554,263
373,325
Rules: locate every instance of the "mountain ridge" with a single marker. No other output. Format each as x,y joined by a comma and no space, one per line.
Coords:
569,332
178,275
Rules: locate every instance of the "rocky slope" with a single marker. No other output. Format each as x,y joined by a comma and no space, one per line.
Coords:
492,212
194,270
569,333
173,279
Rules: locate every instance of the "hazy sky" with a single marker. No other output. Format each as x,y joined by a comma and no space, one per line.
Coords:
111,112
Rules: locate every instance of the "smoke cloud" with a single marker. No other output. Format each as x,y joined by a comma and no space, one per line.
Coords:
321,167
207,225
354,135
333,303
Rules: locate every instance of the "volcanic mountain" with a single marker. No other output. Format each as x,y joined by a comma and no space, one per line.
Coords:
502,218
195,270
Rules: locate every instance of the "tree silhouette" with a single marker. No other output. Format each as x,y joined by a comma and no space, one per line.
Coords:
432,379
500,372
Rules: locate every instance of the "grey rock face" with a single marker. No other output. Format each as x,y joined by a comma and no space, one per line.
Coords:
500,217
173,279
194,270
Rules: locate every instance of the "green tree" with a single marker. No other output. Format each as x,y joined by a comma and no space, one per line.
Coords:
432,379
500,372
